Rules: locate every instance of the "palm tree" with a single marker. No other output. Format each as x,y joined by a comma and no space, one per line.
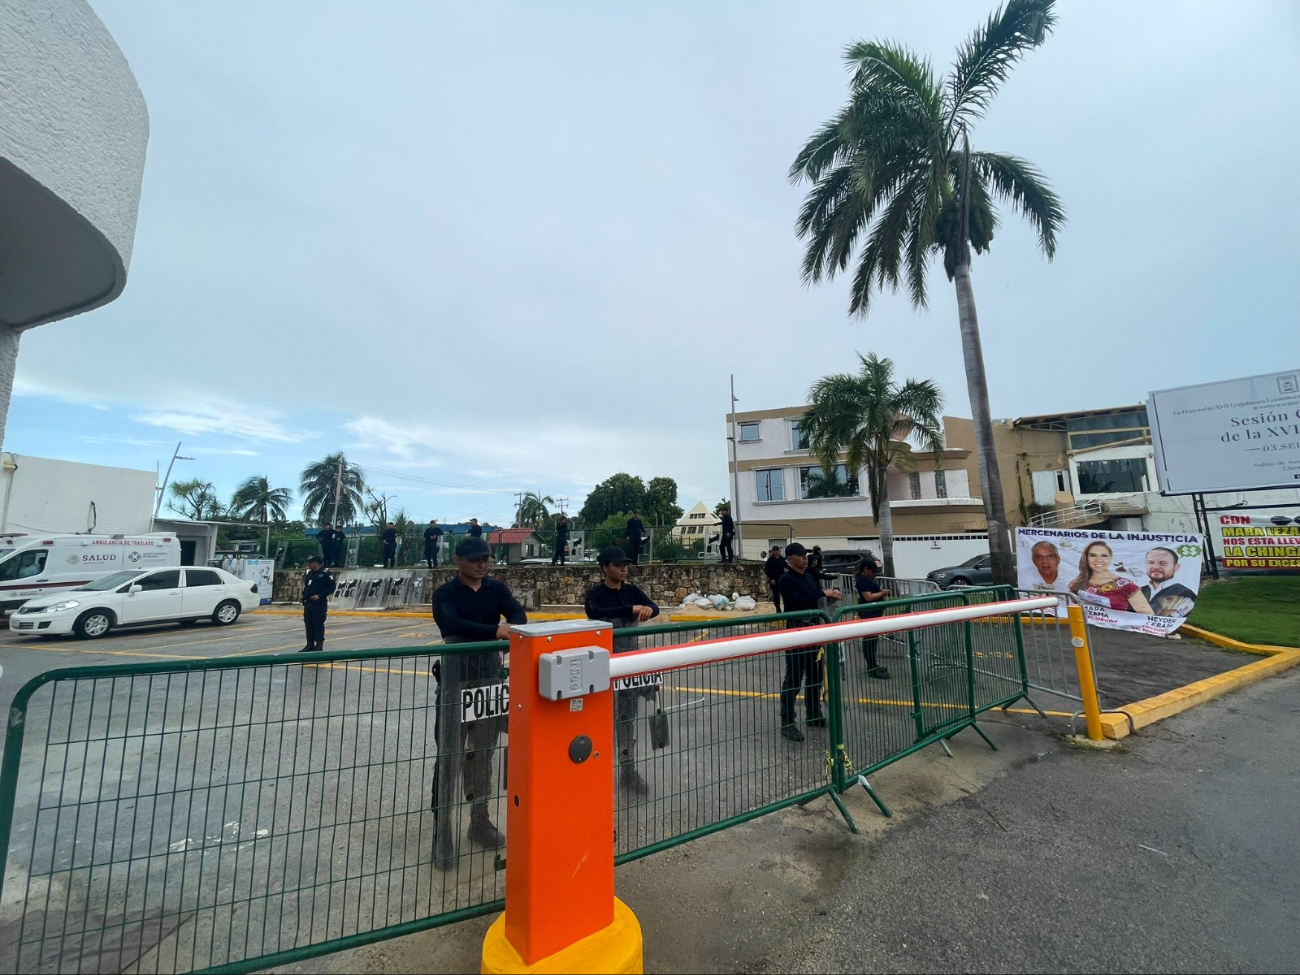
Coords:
255,498
532,511
894,172
317,489
868,418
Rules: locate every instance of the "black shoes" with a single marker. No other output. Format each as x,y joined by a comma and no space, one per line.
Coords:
311,648
791,732
880,673
482,832
817,722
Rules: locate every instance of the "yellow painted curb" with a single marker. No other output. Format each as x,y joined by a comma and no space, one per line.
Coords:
1153,709
616,950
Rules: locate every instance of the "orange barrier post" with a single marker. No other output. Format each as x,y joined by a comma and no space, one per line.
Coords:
561,914
1083,661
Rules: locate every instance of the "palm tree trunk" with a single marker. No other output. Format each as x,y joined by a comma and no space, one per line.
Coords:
885,525
977,385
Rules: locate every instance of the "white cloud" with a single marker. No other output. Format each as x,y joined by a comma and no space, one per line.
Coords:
232,451
224,418
128,441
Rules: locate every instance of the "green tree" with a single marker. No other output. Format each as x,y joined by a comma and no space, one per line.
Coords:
533,512
893,172
717,508
255,499
196,499
616,495
317,489
659,506
823,483
866,418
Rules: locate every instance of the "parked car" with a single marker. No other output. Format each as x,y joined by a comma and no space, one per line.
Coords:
174,594
977,571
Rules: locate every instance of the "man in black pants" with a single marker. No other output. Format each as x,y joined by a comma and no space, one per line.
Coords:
326,538
799,590
317,587
869,591
432,540
634,532
619,602
561,540
470,608
388,545
774,568
728,534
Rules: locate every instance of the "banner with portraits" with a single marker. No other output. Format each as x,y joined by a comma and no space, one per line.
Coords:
1146,582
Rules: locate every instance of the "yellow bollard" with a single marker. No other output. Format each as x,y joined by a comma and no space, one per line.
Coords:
1083,661
561,913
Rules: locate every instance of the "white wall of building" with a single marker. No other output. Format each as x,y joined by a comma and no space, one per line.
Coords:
38,494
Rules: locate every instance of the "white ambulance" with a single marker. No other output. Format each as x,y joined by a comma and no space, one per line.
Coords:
36,565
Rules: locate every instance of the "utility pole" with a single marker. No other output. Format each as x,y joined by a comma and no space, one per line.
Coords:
735,473
519,507
176,455
561,502
338,487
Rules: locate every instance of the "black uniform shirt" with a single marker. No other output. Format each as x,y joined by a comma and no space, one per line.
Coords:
615,605
561,529
867,584
432,534
317,583
775,567
326,537
389,536
798,591
462,612
476,531
728,526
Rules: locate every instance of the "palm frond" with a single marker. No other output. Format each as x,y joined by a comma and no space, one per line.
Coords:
1019,183
986,58
892,71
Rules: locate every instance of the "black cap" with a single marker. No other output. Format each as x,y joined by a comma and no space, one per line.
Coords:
794,548
316,559
472,547
612,554
871,564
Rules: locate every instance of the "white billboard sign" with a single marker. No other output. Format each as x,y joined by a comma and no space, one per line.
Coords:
1238,435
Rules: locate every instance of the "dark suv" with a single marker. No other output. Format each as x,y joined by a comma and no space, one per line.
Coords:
973,572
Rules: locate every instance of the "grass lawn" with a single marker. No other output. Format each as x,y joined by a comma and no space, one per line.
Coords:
1254,609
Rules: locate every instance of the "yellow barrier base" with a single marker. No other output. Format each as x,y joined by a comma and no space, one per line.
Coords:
616,949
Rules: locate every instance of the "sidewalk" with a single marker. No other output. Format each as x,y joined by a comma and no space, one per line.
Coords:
1173,853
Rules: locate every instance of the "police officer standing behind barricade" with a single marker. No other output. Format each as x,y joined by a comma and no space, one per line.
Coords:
634,532
432,540
388,545
317,587
326,538
774,568
800,590
619,602
470,608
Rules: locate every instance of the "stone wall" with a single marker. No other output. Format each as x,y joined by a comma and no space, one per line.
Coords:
665,583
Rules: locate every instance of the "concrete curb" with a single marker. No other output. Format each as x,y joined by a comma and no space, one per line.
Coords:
1123,721
388,614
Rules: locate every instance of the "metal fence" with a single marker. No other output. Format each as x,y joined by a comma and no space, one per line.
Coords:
228,814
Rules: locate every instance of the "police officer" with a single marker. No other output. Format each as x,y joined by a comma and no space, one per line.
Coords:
728,535
634,532
799,589
774,568
619,602
432,541
475,530
317,587
561,540
470,608
326,537
388,545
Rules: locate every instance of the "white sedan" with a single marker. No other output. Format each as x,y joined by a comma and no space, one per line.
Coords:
179,594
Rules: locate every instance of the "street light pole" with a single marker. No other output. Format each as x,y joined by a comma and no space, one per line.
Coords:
735,473
176,455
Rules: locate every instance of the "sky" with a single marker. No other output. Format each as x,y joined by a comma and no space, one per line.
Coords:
489,248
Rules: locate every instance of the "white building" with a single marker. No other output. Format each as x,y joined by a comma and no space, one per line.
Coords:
699,522
43,496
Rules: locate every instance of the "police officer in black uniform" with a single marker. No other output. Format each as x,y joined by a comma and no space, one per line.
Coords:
470,608
799,589
432,542
317,587
388,545
326,536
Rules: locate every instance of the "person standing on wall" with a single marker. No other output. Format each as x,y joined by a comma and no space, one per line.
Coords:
432,542
317,587
774,568
800,591
869,591
470,608
728,535
326,538
388,546
561,540
634,532
475,529
619,602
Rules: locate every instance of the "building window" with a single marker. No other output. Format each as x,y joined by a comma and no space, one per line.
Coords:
914,481
1126,476
798,439
844,486
770,485
940,484
748,432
